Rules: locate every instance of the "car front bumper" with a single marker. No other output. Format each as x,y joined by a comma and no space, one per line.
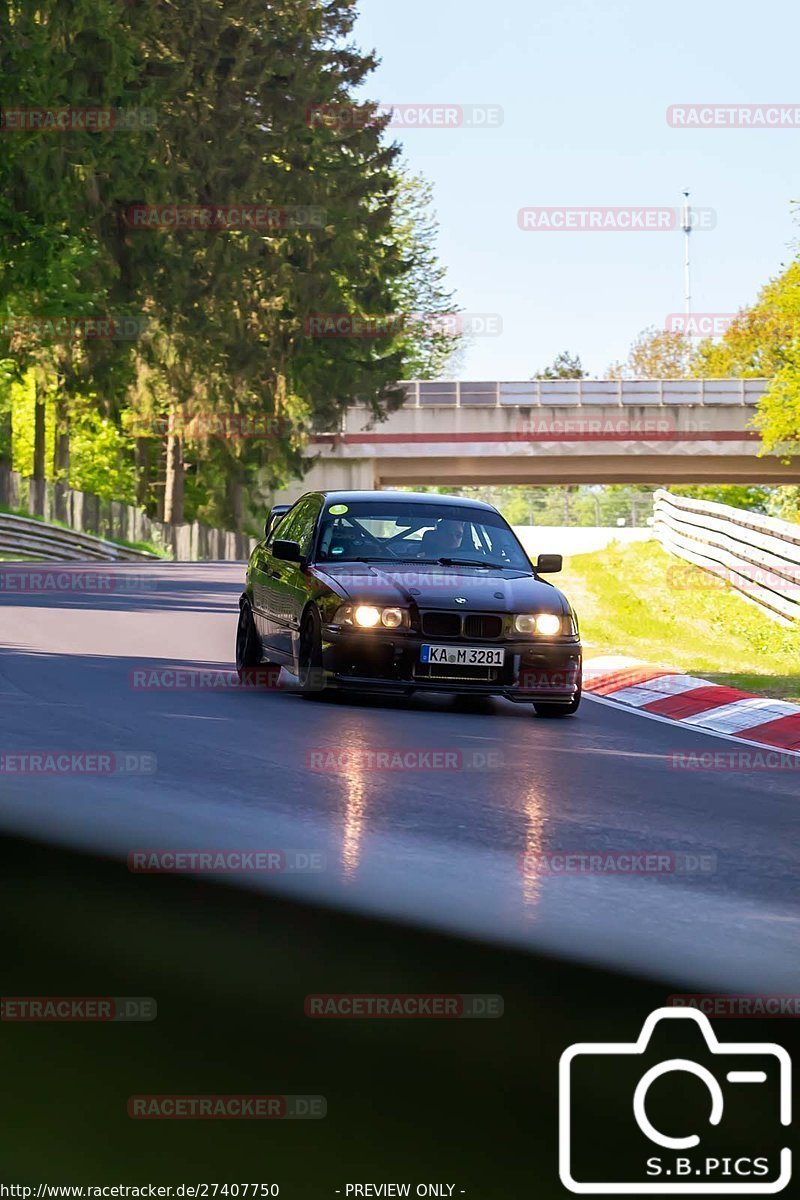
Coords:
385,662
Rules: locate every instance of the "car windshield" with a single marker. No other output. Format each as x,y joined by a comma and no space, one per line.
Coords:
418,531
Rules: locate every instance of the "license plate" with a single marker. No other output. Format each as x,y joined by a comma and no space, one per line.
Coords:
462,656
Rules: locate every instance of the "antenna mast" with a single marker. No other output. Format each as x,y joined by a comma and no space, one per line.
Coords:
687,276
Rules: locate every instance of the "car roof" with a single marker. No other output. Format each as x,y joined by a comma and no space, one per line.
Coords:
433,498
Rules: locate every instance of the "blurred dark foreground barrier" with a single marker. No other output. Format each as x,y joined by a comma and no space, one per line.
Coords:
468,1102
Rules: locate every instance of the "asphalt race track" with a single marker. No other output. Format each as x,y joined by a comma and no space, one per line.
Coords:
456,848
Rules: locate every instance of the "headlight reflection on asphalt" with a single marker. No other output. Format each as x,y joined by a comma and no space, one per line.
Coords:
355,783
534,809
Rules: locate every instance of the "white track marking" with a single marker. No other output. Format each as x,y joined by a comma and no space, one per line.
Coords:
743,714
715,733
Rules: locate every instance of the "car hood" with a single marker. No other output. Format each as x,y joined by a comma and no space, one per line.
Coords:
428,586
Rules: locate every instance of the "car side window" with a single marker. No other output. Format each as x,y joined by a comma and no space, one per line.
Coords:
304,534
298,524
283,524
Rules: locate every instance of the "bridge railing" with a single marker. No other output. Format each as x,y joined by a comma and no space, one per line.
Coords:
546,393
757,555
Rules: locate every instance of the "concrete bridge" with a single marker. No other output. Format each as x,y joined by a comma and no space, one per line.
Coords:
552,431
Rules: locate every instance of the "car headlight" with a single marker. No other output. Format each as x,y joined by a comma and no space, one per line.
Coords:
547,624
368,616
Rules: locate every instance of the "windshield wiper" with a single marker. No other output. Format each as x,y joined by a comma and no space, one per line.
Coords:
389,561
471,562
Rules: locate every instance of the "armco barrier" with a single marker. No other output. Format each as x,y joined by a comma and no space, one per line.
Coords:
759,556
103,522
24,537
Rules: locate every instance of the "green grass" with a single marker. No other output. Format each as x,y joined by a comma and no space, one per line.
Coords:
639,600
150,547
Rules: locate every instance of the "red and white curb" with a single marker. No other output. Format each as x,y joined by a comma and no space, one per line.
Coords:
661,692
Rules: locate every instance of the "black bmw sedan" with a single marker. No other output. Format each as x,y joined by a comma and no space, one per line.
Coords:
405,592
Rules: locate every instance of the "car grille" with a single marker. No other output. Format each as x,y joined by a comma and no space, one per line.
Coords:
452,671
475,626
480,625
439,624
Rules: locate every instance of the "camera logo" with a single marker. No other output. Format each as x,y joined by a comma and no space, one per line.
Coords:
670,1097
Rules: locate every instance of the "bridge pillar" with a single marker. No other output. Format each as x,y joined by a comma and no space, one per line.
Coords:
329,475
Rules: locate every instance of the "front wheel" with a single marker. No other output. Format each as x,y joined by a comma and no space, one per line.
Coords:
248,651
546,708
310,674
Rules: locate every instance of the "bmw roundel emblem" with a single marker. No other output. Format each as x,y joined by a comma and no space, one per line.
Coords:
460,599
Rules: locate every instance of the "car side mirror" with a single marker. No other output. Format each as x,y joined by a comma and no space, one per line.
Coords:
288,551
549,564
274,516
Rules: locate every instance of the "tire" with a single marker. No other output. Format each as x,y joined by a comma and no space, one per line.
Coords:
546,708
248,651
310,674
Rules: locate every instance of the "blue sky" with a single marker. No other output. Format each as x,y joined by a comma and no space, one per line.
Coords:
584,86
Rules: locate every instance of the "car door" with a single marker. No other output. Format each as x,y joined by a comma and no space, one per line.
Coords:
283,587
293,579
265,580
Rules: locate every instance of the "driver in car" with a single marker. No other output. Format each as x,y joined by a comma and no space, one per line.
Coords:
439,542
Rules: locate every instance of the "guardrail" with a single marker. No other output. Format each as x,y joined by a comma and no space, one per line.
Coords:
102,521
38,539
757,555
580,393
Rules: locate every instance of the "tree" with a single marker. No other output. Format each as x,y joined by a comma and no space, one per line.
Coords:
764,342
229,87
51,210
564,366
431,318
656,354
752,497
